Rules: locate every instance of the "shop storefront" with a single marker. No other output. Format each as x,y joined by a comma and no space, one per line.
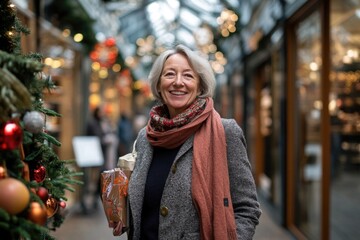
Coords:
64,62
303,115
264,97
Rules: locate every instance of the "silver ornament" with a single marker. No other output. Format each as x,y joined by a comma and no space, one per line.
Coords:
34,122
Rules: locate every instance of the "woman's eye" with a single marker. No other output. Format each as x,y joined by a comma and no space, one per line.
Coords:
169,74
188,75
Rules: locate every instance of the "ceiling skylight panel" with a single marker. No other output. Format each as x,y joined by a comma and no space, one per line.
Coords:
154,17
161,31
189,18
173,3
233,3
152,13
152,7
159,27
210,20
166,39
170,9
185,36
169,12
210,6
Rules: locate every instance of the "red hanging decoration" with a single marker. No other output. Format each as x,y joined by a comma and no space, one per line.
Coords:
110,42
10,135
105,53
43,194
62,204
40,173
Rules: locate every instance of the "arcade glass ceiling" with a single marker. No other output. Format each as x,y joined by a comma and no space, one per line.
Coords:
145,27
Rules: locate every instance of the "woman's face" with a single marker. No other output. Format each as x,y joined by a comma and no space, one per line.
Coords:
179,84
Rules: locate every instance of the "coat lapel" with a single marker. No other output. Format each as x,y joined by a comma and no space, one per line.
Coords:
185,147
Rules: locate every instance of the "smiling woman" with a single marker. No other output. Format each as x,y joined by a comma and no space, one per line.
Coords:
191,167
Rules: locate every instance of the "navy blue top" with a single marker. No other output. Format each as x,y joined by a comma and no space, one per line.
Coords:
158,172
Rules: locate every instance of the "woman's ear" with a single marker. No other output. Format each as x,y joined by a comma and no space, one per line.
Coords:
200,90
158,87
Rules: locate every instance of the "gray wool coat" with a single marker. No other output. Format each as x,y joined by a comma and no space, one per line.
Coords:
178,216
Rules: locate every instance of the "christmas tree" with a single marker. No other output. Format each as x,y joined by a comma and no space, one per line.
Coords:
33,180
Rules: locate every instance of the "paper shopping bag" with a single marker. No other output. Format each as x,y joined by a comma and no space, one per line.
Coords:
114,187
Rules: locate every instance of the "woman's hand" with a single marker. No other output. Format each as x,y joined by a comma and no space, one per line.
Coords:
117,228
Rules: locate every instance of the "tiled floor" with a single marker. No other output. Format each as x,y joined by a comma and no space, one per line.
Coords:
92,226
269,230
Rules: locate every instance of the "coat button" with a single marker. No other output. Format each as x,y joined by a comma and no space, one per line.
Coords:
164,211
173,169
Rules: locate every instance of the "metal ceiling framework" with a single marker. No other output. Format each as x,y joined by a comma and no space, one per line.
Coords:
168,22
161,18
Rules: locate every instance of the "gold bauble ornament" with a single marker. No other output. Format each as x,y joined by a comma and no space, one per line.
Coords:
15,196
37,213
3,172
52,207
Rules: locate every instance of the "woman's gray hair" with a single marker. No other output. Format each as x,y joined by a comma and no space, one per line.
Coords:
199,64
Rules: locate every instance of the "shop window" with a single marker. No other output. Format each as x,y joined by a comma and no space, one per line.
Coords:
344,109
307,116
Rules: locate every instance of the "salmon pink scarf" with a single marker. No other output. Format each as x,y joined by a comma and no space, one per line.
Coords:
210,177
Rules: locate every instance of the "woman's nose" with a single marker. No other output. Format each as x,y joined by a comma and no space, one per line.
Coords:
178,80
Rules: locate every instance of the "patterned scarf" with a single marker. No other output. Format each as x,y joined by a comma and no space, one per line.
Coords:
160,117
162,131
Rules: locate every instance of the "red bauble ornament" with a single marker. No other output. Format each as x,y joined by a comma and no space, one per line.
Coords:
43,194
14,197
37,213
62,204
40,174
10,135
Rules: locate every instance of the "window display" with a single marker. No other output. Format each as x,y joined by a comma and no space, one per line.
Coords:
307,111
344,108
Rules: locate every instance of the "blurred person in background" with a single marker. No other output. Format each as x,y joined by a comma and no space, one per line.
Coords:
100,126
125,133
192,177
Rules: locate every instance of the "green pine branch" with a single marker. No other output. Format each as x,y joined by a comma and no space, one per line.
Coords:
22,85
